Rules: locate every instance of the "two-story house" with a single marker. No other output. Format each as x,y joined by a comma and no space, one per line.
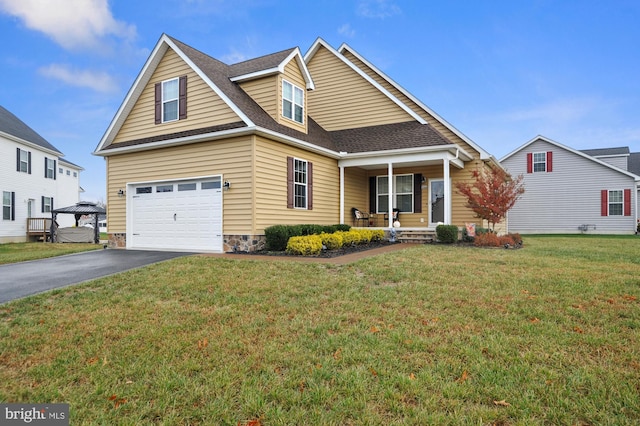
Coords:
202,155
34,178
568,191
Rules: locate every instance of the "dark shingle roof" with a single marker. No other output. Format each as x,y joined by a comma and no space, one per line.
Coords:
633,163
374,138
259,64
606,151
12,125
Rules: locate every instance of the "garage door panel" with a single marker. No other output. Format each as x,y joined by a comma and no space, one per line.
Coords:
187,217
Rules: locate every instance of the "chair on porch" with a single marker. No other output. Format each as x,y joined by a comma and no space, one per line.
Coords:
394,216
359,216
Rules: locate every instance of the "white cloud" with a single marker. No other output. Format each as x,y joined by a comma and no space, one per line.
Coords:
98,81
378,8
71,23
346,30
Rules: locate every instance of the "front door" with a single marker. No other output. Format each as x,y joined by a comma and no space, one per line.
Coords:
436,201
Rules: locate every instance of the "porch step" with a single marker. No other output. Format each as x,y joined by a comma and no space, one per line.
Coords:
416,236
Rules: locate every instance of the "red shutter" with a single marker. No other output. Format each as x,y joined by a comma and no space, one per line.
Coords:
604,203
529,162
289,182
182,98
627,202
158,103
309,185
549,161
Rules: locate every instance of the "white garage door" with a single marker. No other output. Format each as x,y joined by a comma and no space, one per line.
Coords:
181,215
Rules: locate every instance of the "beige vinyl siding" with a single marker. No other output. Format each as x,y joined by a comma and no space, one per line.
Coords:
271,187
343,99
356,192
230,158
411,104
204,107
264,92
294,76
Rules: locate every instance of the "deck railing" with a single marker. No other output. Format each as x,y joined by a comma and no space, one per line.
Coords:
39,227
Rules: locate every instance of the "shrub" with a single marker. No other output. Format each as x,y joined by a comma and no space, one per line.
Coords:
305,245
377,235
488,239
351,237
310,229
342,227
277,237
331,241
447,233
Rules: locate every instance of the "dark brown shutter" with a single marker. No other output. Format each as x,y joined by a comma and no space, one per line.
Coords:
372,194
309,185
158,103
417,193
604,202
290,189
182,98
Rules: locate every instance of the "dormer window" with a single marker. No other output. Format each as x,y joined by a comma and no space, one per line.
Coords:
170,100
292,102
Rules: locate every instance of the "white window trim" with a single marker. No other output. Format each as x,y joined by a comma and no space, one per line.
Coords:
395,193
620,203
304,184
51,169
164,101
534,162
47,204
293,102
25,161
6,205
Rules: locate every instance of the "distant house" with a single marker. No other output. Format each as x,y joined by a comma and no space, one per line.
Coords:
571,191
34,178
203,155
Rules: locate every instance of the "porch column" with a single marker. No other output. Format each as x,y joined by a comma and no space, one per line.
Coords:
447,192
342,194
391,194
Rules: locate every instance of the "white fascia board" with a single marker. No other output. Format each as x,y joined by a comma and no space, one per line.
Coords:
303,67
319,42
30,144
573,151
484,155
438,153
254,75
142,80
297,142
295,54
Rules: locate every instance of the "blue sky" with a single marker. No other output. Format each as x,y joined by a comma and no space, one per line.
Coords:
501,72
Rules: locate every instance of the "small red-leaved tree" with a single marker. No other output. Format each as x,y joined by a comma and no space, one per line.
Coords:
492,194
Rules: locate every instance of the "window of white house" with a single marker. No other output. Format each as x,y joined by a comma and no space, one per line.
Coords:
292,102
47,203
616,199
7,206
75,174
68,172
60,170
50,168
23,161
170,100
300,184
403,189
539,162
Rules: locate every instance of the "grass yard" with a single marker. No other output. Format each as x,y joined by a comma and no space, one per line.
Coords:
549,334
20,252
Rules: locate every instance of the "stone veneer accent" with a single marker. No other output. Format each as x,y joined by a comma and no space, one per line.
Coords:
243,243
117,241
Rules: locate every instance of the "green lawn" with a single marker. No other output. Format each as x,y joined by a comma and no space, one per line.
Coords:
20,252
548,334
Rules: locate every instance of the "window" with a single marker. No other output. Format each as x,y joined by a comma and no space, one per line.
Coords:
292,102
164,188
540,162
186,187
75,174
300,184
60,170
23,161
143,190
403,191
47,204
615,203
214,184
170,100
8,205
49,168
68,172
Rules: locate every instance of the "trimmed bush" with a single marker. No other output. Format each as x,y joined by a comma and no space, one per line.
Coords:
351,237
331,241
447,233
487,240
342,227
305,245
277,237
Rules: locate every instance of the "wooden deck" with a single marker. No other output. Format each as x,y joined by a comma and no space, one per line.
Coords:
39,228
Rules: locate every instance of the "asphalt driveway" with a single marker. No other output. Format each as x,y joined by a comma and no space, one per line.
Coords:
22,279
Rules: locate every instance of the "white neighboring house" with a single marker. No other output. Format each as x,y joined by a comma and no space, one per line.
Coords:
34,179
570,191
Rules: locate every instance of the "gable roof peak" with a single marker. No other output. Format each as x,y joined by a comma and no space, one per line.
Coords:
273,63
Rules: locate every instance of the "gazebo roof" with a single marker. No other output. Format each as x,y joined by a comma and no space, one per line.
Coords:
83,207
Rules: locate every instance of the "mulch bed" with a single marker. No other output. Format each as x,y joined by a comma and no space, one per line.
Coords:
327,254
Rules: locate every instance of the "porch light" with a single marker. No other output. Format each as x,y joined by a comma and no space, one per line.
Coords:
121,193
226,185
